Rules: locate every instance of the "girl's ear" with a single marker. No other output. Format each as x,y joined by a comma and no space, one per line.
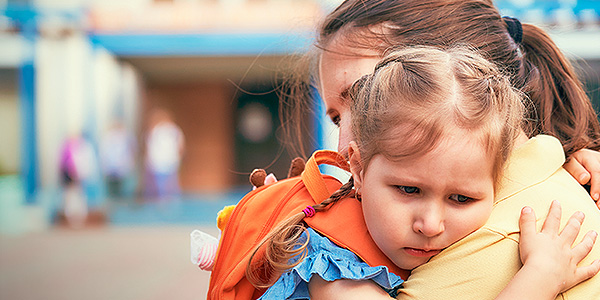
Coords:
356,167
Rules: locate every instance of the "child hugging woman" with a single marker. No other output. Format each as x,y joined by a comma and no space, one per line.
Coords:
432,131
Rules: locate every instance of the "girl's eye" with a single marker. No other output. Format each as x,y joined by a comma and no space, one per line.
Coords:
460,198
408,189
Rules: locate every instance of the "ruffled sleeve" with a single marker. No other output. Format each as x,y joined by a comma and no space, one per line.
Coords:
329,262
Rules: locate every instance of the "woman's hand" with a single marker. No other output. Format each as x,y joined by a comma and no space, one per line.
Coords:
584,165
551,253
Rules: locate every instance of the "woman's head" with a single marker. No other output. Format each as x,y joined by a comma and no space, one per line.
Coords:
433,129
358,32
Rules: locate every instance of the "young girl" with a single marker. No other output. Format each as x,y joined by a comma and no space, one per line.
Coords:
432,132
358,33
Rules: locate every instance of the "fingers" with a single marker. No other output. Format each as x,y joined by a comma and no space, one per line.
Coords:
587,272
595,189
527,222
571,230
595,185
576,169
552,222
590,161
581,250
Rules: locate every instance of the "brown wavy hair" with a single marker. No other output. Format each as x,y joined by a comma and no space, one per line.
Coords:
536,66
416,97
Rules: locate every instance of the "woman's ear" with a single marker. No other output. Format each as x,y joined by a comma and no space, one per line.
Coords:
356,167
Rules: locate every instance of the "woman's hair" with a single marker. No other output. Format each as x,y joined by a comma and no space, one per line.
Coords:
535,64
415,98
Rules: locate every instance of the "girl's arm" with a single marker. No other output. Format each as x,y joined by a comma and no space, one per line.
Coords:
346,289
549,262
584,166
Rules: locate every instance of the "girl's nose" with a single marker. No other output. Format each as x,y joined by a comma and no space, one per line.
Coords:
430,222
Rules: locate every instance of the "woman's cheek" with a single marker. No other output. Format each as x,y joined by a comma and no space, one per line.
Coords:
345,135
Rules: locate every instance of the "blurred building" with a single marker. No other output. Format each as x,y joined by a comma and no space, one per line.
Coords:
80,66
215,66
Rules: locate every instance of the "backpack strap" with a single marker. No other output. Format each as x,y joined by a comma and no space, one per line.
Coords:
312,178
343,223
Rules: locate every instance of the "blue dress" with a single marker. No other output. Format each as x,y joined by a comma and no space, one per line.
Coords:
330,262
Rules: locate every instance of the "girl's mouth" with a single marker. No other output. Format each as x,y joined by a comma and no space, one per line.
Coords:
421,252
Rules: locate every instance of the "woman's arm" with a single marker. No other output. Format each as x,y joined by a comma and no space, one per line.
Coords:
584,166
549,262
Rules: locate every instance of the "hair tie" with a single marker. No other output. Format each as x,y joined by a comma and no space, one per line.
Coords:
309,211
515,30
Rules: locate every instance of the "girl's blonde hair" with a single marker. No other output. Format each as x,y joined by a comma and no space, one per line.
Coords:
417,96
413,99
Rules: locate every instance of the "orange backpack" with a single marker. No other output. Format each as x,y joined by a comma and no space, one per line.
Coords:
262,209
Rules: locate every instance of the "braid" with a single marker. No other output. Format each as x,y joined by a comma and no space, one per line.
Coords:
284,243
341,193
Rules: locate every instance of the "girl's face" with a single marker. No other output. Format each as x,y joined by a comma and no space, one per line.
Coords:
338,69
416,207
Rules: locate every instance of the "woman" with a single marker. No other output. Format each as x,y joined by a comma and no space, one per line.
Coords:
358,33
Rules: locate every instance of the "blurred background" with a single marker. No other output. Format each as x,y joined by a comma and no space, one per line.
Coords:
126,124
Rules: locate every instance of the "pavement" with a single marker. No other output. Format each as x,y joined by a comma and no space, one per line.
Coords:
104,262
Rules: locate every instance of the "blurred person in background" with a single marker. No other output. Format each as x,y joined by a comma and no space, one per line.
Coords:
77,168
118,158
165,144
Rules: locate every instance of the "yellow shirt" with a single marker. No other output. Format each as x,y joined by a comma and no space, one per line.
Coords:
481,265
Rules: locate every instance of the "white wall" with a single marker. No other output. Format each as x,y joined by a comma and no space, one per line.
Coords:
60,95
13,50
61,4
107,82
78,89
131,95
116,88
